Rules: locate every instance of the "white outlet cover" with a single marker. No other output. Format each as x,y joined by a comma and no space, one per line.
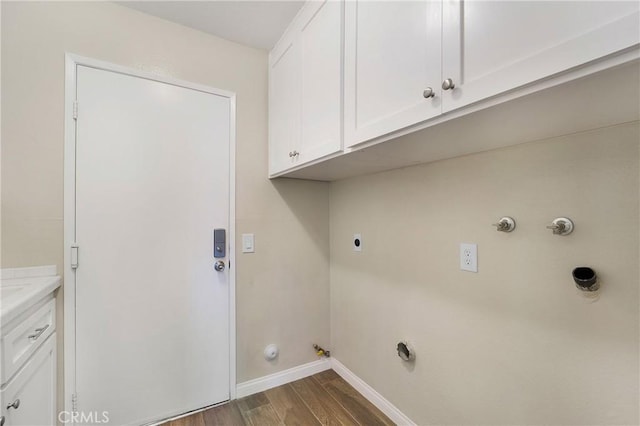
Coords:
469,257
357,242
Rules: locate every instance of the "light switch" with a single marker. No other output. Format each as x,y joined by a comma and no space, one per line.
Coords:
248,243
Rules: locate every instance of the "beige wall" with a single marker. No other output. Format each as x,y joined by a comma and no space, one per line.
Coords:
515,343
282,289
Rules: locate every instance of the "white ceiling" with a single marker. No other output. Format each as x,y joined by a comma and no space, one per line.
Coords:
253,23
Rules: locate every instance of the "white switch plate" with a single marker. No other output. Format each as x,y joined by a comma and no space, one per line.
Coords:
469,257
248,243
357,242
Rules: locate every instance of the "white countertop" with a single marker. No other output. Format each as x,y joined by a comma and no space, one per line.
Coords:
24,287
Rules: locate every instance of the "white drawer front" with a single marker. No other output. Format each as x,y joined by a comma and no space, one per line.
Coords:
32,391
23,340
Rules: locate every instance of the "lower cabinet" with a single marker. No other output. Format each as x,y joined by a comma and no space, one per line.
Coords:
29,398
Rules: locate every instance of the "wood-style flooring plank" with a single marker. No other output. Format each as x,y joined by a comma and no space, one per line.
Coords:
192,420
322,405
290,408
227,415
252,401
325,376
324,398
357,405
262,416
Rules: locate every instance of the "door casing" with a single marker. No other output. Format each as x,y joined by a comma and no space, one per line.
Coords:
72,61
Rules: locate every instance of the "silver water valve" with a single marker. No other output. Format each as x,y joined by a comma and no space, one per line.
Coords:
561,226
505,224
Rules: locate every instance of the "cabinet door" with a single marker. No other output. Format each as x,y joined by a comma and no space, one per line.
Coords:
321,79
284,106
35,387
392,54
490,47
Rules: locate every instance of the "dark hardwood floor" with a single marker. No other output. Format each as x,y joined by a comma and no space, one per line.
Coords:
322,399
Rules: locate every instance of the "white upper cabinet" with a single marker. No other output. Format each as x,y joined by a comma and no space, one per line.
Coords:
462,52
305,88
392,61
490,47
284,106
359,73
321,74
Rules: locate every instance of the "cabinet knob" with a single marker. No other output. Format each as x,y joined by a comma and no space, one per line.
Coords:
429,93
290,154
295,153
448,84
15,404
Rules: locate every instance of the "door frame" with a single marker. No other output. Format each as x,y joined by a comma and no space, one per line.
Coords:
72,61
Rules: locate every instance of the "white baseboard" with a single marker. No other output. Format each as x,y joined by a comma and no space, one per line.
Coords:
296,373
368,392
282,377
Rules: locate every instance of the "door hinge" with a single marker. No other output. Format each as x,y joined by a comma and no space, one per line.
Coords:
75,110
74,256
74,402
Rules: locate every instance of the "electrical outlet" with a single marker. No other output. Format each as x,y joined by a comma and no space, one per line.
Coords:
468,257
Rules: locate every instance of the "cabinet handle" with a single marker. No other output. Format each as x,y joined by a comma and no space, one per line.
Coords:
15,404
38,333
429,93
448,84
1,420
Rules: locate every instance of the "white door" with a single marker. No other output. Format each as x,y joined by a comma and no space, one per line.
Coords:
392,55
152,184
490,47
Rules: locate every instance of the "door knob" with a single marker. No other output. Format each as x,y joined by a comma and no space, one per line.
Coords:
15,404
429,93
219,265
448,84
